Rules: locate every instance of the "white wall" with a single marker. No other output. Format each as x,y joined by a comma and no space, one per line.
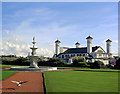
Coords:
63,49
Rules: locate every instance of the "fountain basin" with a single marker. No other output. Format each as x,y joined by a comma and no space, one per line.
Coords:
33,69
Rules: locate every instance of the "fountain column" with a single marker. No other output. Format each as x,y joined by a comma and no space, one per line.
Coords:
33,58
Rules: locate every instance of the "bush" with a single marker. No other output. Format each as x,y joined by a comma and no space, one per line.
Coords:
7,62
117,66
19,61
78,59
82,64
56,62
98,64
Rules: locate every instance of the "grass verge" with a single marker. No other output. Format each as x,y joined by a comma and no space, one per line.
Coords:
6,74
81,81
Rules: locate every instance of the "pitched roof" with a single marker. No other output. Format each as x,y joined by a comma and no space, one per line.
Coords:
89,37
80,50
77,43
57,41
108,40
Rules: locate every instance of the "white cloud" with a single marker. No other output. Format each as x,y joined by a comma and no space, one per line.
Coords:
115,53
115,41
34,14
6,31
20,48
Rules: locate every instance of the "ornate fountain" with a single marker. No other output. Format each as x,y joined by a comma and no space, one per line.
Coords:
33,58
33,62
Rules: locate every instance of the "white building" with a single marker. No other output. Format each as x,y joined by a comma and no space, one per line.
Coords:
90,53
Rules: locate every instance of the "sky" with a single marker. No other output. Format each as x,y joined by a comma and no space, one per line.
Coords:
70,22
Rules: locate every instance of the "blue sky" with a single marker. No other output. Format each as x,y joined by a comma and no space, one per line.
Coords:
69,22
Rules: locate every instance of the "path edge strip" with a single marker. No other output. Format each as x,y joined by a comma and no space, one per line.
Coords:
43,83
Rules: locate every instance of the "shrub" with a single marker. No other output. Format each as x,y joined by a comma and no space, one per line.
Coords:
19,61
82,64
52,62
117,66
78,59
98,64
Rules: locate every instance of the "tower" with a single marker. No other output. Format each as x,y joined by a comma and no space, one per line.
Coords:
108,45
77,45
89,44
57,47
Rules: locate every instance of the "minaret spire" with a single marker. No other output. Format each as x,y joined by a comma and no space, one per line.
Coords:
33,39
33,42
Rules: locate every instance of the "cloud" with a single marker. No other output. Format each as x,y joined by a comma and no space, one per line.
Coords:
33,14
6,31
44,52
115,41
115,53
13,45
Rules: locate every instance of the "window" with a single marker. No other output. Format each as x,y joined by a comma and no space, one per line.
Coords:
100,54
62,56
69,55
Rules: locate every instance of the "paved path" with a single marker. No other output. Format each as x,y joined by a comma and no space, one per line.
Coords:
34,84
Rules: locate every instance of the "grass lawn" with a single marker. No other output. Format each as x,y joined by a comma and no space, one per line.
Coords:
81,81
71,67
99,70
6,74
12,66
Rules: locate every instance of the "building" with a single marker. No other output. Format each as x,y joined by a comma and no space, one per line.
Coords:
90,53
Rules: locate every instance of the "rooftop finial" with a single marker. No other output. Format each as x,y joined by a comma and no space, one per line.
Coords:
33,39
